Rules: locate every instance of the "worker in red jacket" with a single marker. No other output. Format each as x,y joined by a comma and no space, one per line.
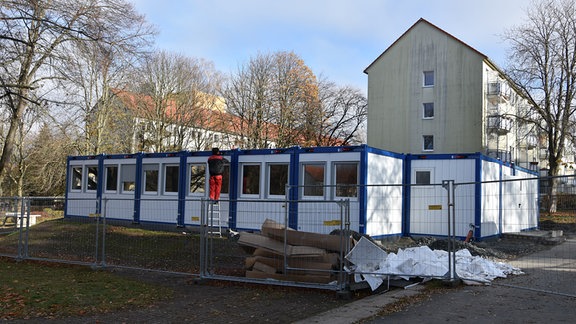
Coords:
216,167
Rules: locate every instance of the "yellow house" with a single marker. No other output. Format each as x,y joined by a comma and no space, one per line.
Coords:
429,92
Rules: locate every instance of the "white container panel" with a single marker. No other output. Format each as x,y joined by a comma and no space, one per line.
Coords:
252,214
325,216
429,204
159,210
384,202
490,223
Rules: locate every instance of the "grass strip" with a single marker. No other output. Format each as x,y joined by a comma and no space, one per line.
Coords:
47,290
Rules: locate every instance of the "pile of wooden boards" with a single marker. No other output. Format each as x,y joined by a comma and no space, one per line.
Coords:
286,254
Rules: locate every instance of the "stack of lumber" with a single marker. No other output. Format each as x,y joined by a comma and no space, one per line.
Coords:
285,254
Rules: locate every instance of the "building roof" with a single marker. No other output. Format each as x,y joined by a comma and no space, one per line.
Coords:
424,21
214,119
486,59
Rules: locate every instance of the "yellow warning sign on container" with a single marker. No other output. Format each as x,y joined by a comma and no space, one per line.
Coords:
195,218
335,222
93,215
434,207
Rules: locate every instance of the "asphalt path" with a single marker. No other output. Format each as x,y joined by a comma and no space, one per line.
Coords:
545,293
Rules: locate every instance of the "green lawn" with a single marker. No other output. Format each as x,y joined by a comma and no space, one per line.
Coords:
34,289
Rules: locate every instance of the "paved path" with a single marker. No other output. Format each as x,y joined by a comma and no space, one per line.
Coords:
549,282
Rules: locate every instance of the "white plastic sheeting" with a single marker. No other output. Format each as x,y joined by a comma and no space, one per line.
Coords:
374,265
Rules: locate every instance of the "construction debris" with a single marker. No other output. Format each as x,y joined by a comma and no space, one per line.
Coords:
282,253
374,265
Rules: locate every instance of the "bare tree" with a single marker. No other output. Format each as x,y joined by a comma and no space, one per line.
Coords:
248,97
295,97
93,73
344,112
197,105
543,64
48,151
35,37
275,97
176,102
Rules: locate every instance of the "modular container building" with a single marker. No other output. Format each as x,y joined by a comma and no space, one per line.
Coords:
389,194
489,196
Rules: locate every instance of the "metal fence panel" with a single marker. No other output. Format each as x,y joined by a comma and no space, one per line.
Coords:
11,226
273,253
108,235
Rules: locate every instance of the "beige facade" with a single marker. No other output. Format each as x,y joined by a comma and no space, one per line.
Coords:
431,93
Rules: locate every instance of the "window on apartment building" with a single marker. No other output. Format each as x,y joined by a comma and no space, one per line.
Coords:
428,143
278,178
428,110
428,78
111,177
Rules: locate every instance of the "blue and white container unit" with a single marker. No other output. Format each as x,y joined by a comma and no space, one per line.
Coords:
170,187
490,196
386,191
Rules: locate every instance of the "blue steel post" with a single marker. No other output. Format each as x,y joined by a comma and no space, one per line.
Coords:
406,180
294,188
182,190
233,190
363,189
478,198
138,188
100,183
67,186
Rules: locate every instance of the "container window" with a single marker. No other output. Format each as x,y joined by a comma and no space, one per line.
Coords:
313,179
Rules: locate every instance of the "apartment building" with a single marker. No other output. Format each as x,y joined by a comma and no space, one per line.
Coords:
429,92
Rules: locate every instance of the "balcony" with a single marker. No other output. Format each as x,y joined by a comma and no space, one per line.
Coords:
494,88
498,90
502,155
499,124
531,142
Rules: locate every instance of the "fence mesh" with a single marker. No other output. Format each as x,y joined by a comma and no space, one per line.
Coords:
315,242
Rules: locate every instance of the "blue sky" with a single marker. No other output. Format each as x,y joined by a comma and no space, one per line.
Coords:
336,38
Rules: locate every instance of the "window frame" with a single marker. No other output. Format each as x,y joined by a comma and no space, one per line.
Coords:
354,186
424,105
166,178
107,181
243,184
424,142
270,178
426,78
225,180
127,178
150,171
76,180
305,185
202,190
430,172
91,177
